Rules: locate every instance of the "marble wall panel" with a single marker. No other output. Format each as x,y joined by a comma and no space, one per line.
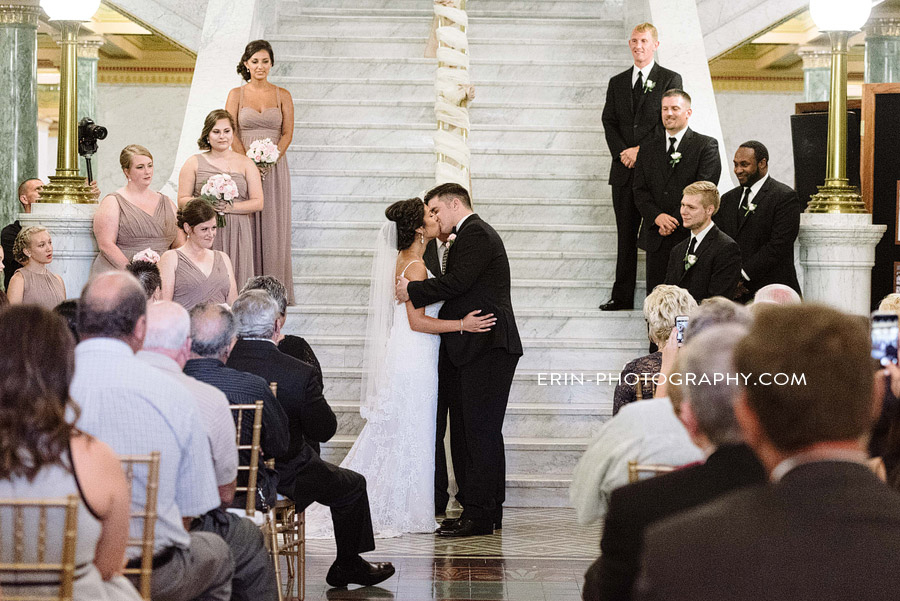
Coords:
180,20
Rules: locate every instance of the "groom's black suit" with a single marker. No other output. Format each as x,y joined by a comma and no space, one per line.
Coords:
475,371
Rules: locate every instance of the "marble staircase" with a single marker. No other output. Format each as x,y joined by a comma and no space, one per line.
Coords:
363,102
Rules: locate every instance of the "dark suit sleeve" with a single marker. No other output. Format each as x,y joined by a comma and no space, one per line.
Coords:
726,271
319,421
610,121
275,434
643,194
620,549
676,263
471,257
785,227
675,83
710,166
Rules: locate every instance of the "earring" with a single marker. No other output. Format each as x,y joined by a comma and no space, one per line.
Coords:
423,238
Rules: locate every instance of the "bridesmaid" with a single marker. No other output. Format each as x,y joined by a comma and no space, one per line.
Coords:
194,273
134,217
33,283
263,110
236,238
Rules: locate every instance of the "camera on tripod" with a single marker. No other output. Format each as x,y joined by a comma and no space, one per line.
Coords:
89,133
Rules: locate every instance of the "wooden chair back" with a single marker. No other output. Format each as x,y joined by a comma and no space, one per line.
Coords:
22,513
241,414
147,516
635,470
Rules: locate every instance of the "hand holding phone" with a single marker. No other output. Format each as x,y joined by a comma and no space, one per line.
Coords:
885,334
681,323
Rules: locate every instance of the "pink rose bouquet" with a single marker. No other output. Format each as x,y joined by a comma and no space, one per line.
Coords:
265,154
218,189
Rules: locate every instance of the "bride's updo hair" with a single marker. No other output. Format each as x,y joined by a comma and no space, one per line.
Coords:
408,215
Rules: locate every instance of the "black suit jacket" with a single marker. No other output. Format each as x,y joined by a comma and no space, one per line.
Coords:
717,270
658,186
766,236
626,126
431,258
477,278
634,507
828,531
7,240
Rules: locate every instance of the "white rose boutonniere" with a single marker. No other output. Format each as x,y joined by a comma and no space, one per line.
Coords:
649,85
450,240
750,208
674,158
689,261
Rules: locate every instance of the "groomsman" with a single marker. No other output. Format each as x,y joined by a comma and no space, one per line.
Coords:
708,263
763,217
631,113
671,160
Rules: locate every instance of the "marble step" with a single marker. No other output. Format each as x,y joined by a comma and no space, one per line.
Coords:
540,386
321,320
590,8
404,184
541,354
380,24
538,490
548,211
523,455
479,47
527,236
331,157
481,135
522,420
598,69
422,89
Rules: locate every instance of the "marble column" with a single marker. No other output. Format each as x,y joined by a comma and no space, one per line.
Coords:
88,57
18,100
883,50
837,253
816,73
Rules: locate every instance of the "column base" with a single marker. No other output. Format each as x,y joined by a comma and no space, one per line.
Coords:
840,198
67,189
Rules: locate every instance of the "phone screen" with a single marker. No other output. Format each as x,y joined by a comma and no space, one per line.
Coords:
885,332
680,324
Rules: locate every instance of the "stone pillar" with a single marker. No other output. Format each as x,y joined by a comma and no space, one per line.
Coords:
816,73
883,50
837,252
74,247
88,57
18,100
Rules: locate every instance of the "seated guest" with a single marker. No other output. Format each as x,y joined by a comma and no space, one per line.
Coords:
707,412
44,455
661,307
708,262
884,443
778,294
68,310
825,528
212,336
303,476
763,217
194,273
137,410
167,347
147,273
33,283
134,217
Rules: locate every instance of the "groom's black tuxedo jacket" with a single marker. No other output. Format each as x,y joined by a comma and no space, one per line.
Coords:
658,186
717,270
626,125
477,278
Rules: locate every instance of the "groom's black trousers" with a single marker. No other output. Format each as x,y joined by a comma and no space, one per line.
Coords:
478,394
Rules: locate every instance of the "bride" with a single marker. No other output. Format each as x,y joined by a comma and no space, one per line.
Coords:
395,450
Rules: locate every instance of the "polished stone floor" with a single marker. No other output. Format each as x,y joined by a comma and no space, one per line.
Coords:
540,555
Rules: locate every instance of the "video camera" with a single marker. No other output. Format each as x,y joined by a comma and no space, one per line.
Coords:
88,135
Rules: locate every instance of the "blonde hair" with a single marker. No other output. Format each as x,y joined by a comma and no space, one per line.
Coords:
708,193
643,27
891,302
23,241
662,306
126,157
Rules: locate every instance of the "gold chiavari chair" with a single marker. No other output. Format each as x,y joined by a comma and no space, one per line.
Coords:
635,470
148,516
64,570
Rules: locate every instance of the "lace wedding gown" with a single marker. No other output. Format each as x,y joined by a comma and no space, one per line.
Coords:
395,450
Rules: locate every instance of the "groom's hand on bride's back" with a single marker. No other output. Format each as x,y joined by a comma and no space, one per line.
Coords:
400,290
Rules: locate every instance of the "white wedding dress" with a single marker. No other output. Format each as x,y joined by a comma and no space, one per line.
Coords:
395,450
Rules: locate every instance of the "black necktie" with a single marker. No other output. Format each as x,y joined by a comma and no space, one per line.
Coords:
637,90
671,146
745,204
692,246
444,258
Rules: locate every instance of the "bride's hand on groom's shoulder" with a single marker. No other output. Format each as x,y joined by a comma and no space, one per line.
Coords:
400,289
478,323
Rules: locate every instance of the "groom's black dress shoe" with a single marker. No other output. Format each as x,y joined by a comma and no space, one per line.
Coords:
364,573
467,527
451,523
614,305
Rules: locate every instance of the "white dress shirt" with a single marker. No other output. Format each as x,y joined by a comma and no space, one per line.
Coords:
645,72
701,236
678,136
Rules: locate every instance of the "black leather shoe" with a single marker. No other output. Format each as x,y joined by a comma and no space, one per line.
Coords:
364,573
467,527
614,305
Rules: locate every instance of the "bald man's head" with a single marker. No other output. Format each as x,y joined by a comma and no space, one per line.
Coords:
168,326
212,330
111,306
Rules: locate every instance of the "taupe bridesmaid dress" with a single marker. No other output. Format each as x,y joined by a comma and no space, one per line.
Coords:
42,289
192,287
272,225
138,231
236,238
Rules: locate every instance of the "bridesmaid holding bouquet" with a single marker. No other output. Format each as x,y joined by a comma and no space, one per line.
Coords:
265,111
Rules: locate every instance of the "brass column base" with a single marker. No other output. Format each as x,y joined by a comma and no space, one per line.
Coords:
836,198
67,189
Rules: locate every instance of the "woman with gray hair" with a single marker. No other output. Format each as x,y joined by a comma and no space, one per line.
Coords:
661,307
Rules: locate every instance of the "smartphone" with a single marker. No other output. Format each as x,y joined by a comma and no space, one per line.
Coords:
680,324
885,332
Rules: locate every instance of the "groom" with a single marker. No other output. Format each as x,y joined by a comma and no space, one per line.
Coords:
475,371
